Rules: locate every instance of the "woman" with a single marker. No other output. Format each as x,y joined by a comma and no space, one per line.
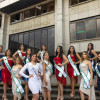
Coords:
21,53
92,55
97,68
60,60
41,52
47,72
33,77
15,74
86,85
1,64
27,60
74,59
6,74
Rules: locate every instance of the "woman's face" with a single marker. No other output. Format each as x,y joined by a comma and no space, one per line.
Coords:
17,61
8,53
22,47
46,56
43,48
58,49
71,49
0,49
29,51
99,56
84,55
89,46
34,57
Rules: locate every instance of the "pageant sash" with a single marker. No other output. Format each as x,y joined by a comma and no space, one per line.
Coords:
41,54
61,70
27,60
17,82
76,72
92,62
86,79
49,66
97,71
19,53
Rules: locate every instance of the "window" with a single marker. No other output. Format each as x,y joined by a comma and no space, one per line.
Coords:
51,6
34,39
80,33
44,8
85,29
74,2
15,18
27,14
32,12
38,10
72,32
0,20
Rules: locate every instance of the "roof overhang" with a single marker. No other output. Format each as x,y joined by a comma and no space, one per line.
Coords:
18,5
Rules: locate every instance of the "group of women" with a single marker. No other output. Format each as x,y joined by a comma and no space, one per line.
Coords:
36,70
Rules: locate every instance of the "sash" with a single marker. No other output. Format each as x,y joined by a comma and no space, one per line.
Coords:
27,60
41,54
17,82
76,72
19,53
86,79
97,71
49,66
92,65
61,70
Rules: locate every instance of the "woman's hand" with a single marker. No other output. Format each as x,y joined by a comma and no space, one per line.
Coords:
31,75
60,64
91,83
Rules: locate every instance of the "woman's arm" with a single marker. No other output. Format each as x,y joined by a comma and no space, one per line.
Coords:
44,78
23,70
91,72
78,56
2,67
95,55
14,55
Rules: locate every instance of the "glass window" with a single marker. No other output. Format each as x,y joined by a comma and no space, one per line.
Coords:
51,40
38,10
90,28
73,2
0,20
27,14
98,27
37,40
80,34
32,12
51,6
15,18
44,36
72,32
21,38
44,8
31,39
26,37
82,1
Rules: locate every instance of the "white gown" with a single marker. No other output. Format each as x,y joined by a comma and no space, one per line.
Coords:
34,82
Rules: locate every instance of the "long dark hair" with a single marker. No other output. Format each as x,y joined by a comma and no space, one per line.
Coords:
32,55
92,47
42,46
26,54
74,52
20,46
45,53
10,52
98,61
61,51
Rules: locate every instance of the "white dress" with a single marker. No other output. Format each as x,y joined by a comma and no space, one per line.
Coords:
90,92
34,82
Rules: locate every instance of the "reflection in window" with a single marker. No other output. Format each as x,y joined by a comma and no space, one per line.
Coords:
98,27
37,40
90,29
0,20
51,40
72,32
44,36
80,30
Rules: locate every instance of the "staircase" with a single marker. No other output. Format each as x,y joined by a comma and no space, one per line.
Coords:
67,91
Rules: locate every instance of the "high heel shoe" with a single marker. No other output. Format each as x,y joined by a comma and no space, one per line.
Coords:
58,98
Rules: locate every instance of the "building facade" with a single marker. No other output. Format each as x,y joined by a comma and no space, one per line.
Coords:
50,22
